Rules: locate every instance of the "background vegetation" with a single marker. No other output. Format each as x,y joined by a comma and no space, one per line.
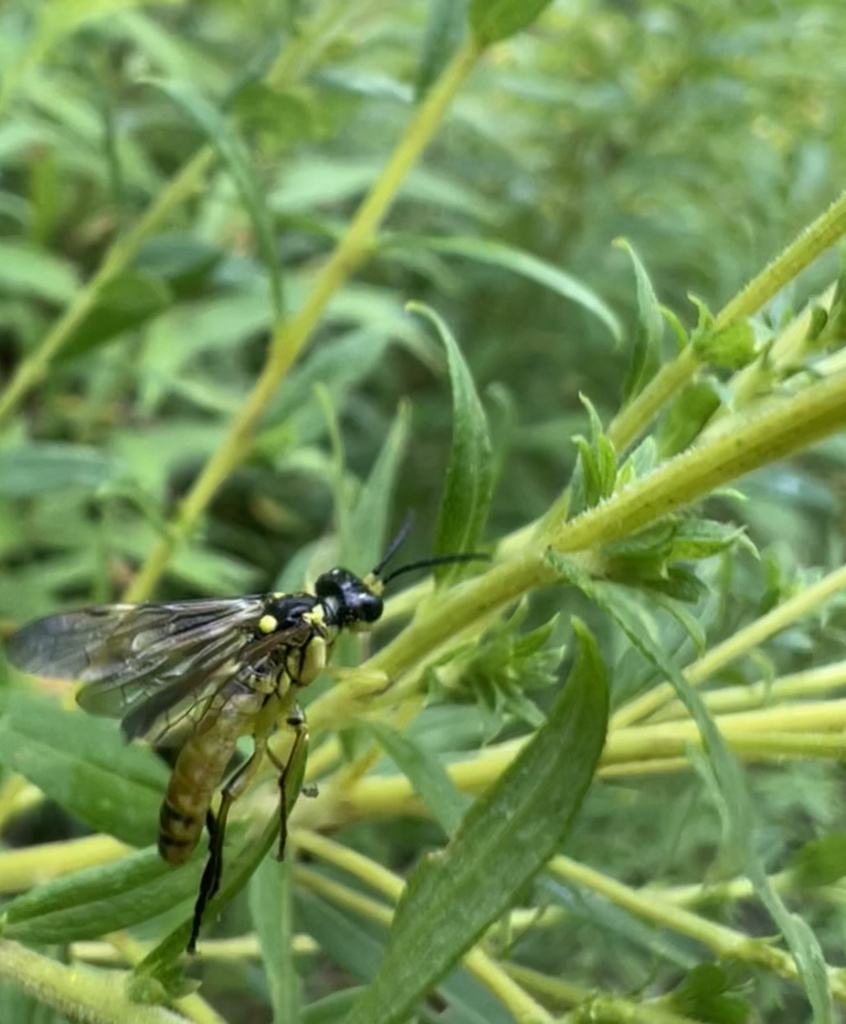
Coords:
212,386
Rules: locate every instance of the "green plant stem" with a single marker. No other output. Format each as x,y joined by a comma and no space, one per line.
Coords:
458,608
243,947
758,379
294,61
669,381
191,1006
32,369
21,868
782,428
736,646
628,752
86,995
818,236
553,990
290,338
814,682
724,942
365,869
715,892
591,1007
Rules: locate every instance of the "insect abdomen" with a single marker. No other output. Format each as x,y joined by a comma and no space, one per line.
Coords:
196,775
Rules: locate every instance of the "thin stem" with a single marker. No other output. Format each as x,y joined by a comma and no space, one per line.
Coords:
22,868
758,379
814,682
635,751
32,369
10,792
366,870
737,645
191,1006
457,609
781,429
673,377
98,997
591,1007
290,338
725,942
784,427
243,947
295,60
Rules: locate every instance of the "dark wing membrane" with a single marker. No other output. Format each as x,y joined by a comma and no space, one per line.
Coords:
172,713
129,654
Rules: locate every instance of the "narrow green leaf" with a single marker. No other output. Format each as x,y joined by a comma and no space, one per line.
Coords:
84,764
820,862
445,29
617,926
710,993
30,271
270,906
425,773
339,365
493,20
340,935
502,842
331,1008
646,351
497,254
369,516
96,901
734,804
689,622
220,134
687,416
18,1007
184,261
596,472
39,467
359,948
703,538
126,302
469,475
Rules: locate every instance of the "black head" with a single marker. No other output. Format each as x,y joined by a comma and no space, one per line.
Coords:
353,602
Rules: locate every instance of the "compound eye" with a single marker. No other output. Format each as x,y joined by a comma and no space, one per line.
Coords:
326,586
370,608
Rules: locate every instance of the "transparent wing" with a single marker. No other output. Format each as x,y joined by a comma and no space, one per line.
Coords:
130,656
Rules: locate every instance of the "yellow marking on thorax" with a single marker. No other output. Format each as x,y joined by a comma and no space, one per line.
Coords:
268,623
316,616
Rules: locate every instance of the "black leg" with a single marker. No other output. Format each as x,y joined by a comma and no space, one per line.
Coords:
210,882
213,871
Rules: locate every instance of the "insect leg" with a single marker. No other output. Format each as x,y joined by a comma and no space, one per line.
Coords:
213,871
297,721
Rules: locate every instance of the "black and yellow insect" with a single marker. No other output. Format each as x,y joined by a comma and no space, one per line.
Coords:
202,674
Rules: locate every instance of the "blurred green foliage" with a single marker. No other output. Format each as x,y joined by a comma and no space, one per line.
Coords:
707,135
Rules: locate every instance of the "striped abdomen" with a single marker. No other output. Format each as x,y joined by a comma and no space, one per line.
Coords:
197,774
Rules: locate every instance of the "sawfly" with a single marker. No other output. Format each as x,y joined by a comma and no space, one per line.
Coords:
201,674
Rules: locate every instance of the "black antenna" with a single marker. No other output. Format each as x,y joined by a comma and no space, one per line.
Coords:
393,547
470,556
